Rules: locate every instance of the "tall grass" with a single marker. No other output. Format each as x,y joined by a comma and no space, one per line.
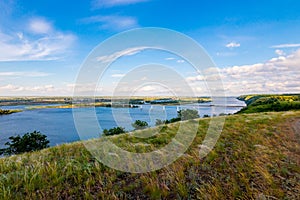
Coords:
256,157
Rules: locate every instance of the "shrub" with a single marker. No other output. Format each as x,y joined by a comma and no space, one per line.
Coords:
114,131
187,114
176,119
29,142
138,125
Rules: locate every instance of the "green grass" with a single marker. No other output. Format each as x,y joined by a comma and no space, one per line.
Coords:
256,157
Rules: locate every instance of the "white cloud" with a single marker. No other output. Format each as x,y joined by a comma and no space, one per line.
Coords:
195,78
233,45
279,52
149,88
126,52
117,75
180,61
170,58
286,45
113,22
24,74
112,3
16,89
278,75
40,26
21,46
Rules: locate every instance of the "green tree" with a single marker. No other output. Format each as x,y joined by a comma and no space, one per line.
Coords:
172,120
138,125
187,114
114,131
29,142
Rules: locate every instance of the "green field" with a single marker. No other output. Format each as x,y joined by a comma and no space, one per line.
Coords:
256,157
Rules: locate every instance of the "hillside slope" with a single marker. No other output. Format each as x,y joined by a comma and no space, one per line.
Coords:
267,103
257,156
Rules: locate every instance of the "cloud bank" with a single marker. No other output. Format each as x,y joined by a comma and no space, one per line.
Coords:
39,41
277,75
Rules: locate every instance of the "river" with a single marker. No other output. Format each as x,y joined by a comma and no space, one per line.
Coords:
58,123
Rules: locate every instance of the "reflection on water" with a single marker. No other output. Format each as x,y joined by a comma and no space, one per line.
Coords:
59,126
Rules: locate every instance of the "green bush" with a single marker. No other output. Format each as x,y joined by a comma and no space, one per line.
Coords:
188,114
176,119
29,142
138,125
114,131
181,115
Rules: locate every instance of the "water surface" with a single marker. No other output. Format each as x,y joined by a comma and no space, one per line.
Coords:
58,123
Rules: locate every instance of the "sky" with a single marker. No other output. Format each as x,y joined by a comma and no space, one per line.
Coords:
255,45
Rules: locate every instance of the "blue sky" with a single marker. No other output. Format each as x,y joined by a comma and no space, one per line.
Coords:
255,44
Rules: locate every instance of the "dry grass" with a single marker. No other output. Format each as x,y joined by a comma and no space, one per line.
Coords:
256,157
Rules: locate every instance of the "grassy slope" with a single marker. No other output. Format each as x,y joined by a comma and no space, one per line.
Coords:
257,156
266,103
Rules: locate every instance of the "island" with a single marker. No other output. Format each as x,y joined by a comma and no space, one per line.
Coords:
7,112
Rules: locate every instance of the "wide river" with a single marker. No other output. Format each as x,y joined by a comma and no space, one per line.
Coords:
58,123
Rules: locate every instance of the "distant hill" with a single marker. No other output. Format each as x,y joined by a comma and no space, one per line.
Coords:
256,157
266,103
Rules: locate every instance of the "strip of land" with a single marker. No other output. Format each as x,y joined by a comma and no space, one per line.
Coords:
8,112
78,102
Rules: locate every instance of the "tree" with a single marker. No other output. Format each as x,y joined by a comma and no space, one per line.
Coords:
172,120
138,125
114,131
187,114
181,115
29,142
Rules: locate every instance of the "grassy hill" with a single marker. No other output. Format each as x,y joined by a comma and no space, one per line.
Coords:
257,156
266,103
